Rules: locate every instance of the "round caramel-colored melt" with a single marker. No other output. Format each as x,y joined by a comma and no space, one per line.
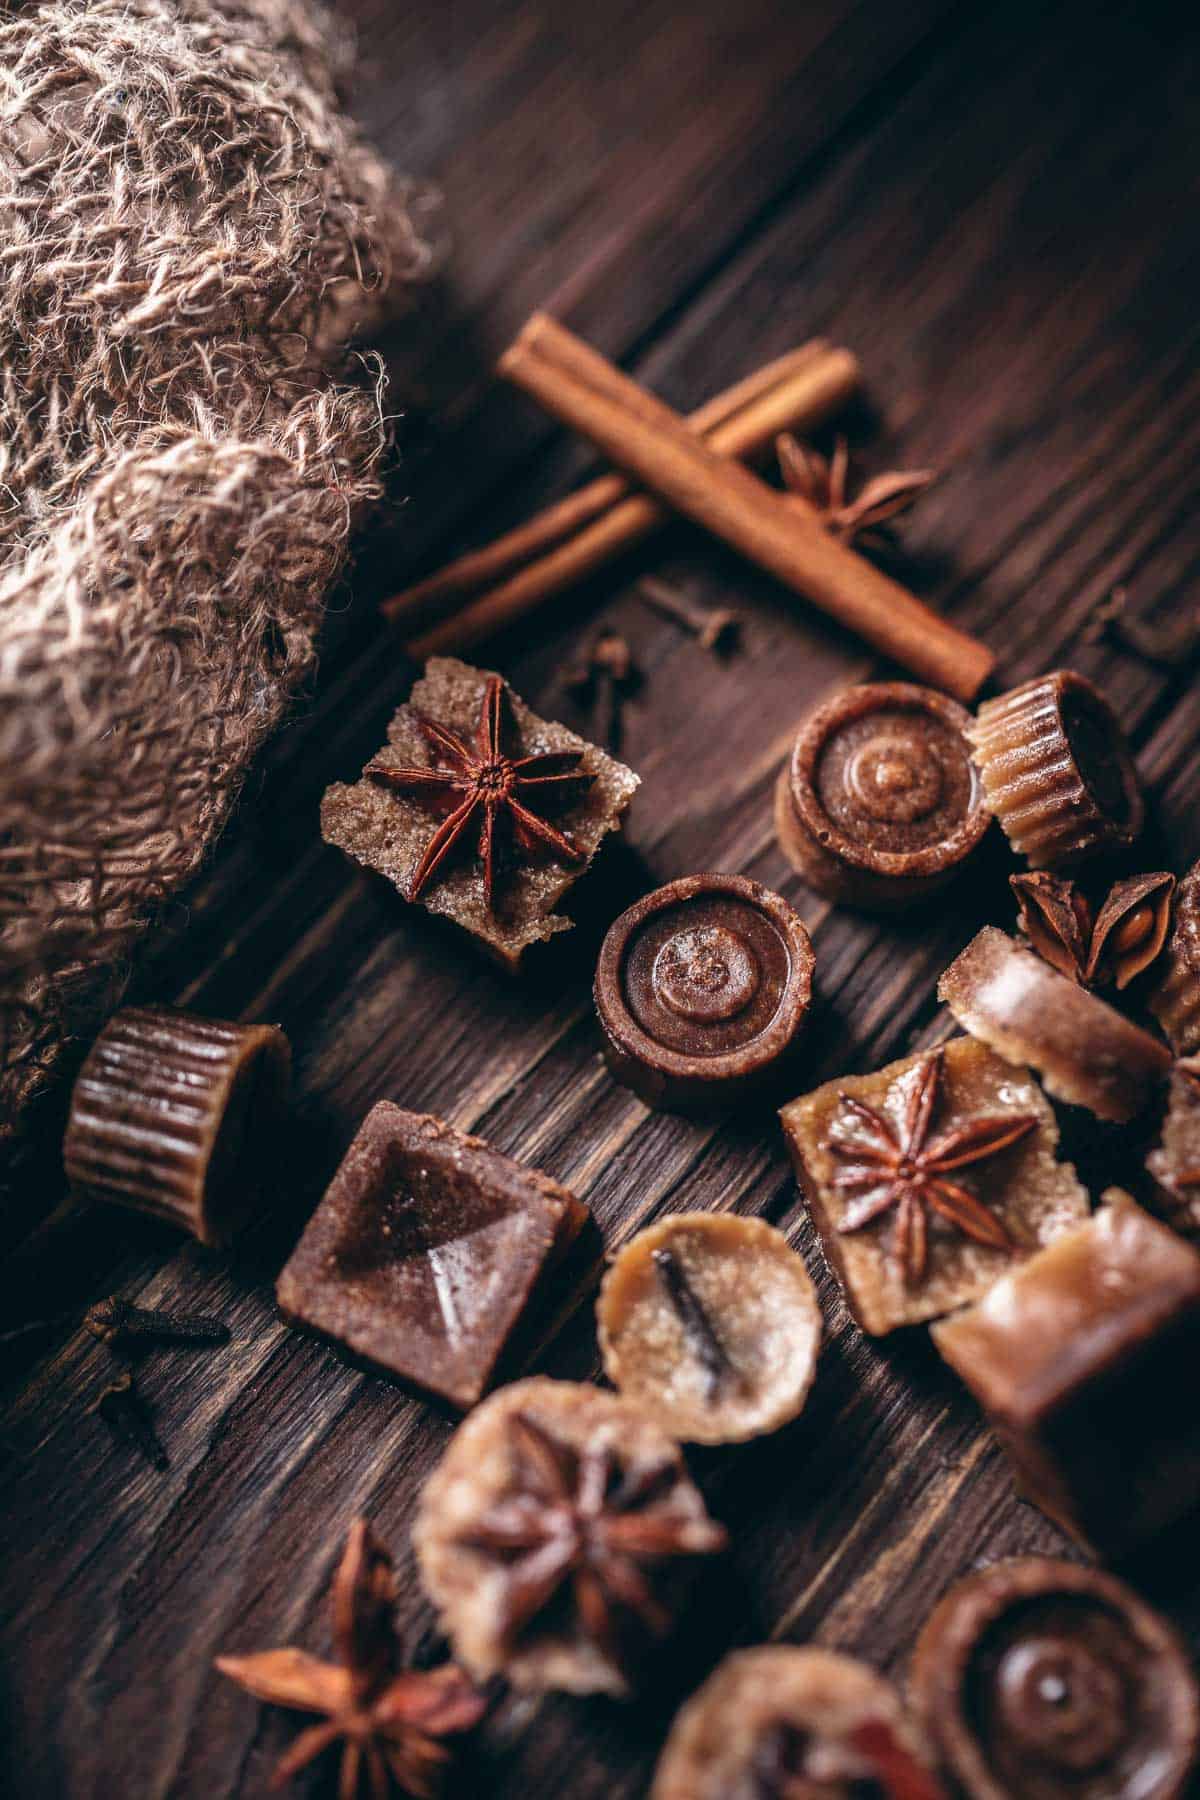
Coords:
879,802
711,1323
1040,1678
781,1719
558,1537
702,988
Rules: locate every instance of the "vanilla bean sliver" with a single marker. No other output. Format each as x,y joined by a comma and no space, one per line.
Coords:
703,1341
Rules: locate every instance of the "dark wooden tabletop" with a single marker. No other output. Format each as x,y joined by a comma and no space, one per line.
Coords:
995,206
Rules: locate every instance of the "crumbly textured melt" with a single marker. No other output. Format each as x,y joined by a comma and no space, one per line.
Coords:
1024,1187
559,1529
1175,1001
779,1704
711,1323
389,831
1175,1163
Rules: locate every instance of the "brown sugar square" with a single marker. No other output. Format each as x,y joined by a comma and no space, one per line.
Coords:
567,799
1082,1360
425,1252
927,1178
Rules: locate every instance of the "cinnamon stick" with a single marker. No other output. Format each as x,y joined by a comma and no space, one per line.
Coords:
643,436
813,391
829,377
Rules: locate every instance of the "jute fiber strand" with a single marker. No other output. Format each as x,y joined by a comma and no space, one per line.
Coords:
190,230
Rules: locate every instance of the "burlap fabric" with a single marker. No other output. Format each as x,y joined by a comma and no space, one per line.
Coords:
187,226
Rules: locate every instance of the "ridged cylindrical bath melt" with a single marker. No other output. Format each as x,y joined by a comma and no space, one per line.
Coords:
1057,771
171,1114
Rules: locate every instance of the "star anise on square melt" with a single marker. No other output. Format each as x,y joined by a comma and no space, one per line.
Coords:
576,1531
1095,947
489,798
391,1722
823,484
888,1166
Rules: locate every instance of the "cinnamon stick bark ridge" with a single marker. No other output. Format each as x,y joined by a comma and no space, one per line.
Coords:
808,389
643,436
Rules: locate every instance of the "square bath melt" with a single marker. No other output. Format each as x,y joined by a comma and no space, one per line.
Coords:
425,1252
479,810
927,1178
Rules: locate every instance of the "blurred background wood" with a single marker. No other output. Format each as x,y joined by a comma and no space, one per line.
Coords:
994,207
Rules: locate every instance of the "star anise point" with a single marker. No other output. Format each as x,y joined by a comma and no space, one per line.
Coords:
824,486
900,1168
482,789
390,1724
575,1522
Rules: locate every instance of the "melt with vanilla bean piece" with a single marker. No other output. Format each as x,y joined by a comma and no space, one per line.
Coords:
425,1251
711,1324
176,1116
1057,771
1097,1327
928,1178
1175,1001
1086,1052
1036,1679
479,810
879,803
781,1721
702,989
558,1537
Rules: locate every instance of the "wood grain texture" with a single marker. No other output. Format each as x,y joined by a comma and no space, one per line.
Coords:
994,208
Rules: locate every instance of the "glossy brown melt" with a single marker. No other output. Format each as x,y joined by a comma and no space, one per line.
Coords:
701,990
1037,1678
879,802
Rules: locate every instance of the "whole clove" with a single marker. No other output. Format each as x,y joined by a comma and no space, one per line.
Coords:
117,1322
714,628
602,682
1169,644
128,1418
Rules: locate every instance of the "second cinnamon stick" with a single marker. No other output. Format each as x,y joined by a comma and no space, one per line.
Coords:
646,438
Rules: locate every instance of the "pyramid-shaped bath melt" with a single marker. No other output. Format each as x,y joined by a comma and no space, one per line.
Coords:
425,1251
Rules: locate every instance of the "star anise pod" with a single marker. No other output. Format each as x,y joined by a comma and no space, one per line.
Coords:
486,794
391,1722
824,483
887,1166
579,1532
1113,944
